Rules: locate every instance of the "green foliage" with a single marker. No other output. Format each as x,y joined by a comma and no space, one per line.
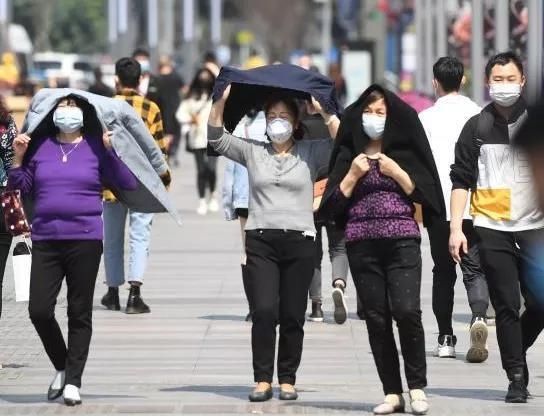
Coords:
74,26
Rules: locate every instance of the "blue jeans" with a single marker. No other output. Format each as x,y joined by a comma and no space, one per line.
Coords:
115,215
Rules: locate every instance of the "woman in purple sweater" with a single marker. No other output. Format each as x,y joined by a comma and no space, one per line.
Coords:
381,165
63,170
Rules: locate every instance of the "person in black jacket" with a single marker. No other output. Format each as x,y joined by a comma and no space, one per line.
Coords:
506,216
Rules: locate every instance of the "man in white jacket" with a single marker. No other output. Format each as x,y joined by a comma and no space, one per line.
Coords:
443,123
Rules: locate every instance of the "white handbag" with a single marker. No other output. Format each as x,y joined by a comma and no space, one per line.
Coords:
22,261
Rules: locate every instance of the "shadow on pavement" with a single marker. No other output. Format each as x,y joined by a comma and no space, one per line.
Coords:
332,406
476,394
41,398
238,392
223,317
13,365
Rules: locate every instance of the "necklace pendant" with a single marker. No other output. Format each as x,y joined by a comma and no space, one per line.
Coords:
64,159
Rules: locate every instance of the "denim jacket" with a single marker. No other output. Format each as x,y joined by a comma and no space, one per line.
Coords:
235,182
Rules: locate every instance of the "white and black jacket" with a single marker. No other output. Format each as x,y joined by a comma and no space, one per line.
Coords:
503,196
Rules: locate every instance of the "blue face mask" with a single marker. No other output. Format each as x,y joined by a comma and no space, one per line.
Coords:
145,66
68,119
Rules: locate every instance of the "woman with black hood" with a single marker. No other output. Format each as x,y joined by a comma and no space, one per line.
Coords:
380,166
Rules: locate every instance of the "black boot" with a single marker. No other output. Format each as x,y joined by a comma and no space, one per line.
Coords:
248,291
517,390
135,303
111,299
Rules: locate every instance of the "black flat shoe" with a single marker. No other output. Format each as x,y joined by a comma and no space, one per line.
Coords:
54,394
71,402
288,395
261,396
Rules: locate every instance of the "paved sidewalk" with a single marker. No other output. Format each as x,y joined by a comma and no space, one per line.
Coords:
191,355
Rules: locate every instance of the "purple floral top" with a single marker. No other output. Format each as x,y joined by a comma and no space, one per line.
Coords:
378,208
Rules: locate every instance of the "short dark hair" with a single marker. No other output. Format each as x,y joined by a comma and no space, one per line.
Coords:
128,70
502,59
292,105
449,71
140,52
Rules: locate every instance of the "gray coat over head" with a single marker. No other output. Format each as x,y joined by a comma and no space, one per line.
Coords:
131,141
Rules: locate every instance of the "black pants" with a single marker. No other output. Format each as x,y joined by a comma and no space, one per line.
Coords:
51,262
387,273
280,265
444,275
206,172
5,244
505,258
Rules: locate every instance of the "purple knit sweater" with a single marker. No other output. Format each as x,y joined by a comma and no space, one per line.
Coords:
67,196
378,208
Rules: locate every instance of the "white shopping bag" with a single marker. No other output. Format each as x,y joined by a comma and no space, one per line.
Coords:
22,260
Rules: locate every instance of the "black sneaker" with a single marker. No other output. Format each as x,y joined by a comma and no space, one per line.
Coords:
340,307
517,391
135,303
317,313
111,299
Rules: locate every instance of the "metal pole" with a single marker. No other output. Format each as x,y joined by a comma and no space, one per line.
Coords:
326,30
4,25
429,47
153,30
420,45
188,34
441,30
477,51
216,11
534,47
112,26
502,26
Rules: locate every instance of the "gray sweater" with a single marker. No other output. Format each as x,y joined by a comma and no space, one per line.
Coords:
280,187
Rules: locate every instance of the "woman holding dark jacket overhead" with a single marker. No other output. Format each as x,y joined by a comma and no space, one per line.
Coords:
63,168
380,166
280,231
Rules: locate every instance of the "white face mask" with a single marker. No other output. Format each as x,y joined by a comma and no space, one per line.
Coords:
68,119
504,95
279,130
373,125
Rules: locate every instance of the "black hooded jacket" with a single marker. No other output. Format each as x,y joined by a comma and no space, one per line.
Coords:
404,141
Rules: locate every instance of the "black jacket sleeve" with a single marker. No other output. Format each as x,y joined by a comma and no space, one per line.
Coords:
464,171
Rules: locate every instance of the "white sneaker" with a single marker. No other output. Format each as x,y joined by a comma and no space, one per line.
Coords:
446,346
478,352
71,395
418,402
213,205
202,207
392,403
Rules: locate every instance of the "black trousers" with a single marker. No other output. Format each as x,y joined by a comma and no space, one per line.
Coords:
51,262
506,257
387,273
280,265
206,172
444,275
5,244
